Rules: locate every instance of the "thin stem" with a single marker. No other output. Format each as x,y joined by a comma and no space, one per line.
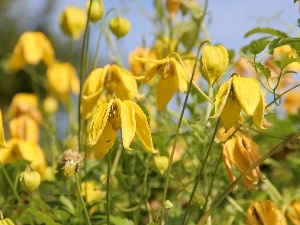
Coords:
81,200
201,171
242,176
108,187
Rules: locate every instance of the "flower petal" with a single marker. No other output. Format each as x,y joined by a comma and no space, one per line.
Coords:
259,113
227,155
99,122
182,76
128,123
149,74
247,93
221,97
143,129
165,90
91,90
230,113
2,138
105,142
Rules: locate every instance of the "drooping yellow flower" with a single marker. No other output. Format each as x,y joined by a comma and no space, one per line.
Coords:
242,152
239,93
26,150
32,47
119,26
114,79
292,213
172,77
109,118
72,21
97,9
90,190
265,212
62,80
25,104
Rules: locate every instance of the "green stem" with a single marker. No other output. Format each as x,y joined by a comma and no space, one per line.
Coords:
242,176
82,202
201,171
108,187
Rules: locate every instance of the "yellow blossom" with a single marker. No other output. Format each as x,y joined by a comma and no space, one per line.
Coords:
26,150
25,103
293,212
25,128
109,118
265,212
72,21
173,6
62,80
90,189
32,47
114,79
242,152
172,77
119,26
239,93
97,9
292,102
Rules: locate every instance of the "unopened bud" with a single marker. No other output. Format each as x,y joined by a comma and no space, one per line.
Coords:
72,161
97,10
161,163
5,221
168,204
29,180
213,63
119,26
173,6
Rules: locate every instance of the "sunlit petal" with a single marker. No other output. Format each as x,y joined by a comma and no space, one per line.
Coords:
230,113
2,138
182,77
221,97
259,113
128,123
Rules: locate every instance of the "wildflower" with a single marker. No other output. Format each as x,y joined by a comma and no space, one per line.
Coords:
293,212
239,93
172,77
71,161
25,128
62,79
29,180
72,21
114,79
161,163
25,103
119,26
242,152
26,150
110,117
97,10
32,47
90,190
173,6
292,102
265,212
213,63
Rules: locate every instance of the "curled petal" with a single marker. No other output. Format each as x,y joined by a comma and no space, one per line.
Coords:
149,74
182,77
105,142
165,90
259,113
247,93
143,129
221,97
128,123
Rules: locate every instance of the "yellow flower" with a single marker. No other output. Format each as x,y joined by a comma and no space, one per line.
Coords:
62,80
292,102
72,21
110,117
97,10
2,138
173,6
242,152
119,26
31,48
24,103
213,63
26,150
265,212
172,77
92,193
286,50
25,128
114,79
239,93
293,212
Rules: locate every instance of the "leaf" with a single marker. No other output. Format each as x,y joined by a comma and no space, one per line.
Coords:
119,220
265,70
277,42
281,64
41,216
266,30
258,46
67,203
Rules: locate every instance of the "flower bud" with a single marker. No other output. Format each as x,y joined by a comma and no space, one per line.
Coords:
50,105
119,26
114,183
173,6
97,10
213,63
72,21
5,221
161,163
29,180
168,204
72,161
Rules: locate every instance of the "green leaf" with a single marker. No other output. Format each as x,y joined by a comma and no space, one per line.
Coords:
277,42
67,204
265,70
120,220
266,30
281,64
258,46
41,216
